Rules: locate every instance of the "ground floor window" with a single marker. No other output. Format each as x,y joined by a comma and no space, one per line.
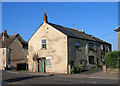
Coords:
48,61
91,60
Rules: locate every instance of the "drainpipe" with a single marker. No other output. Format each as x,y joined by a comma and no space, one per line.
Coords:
68,59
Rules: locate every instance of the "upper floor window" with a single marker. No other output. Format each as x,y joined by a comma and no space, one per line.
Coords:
108,49
101,46
91,46
77,45
44,44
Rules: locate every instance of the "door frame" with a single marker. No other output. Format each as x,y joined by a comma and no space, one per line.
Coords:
43,66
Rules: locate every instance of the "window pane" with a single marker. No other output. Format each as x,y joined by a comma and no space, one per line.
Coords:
101,47
44,43
91,46
48,62
77,44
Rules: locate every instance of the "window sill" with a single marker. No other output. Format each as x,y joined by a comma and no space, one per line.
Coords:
43,48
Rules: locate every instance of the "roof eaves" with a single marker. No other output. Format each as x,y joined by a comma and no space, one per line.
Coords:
117,29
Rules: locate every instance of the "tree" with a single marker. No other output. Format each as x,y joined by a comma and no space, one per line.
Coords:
112,59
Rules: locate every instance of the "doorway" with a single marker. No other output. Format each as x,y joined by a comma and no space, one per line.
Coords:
41,65
91,60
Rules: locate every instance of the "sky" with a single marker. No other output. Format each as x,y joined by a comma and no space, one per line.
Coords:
96,18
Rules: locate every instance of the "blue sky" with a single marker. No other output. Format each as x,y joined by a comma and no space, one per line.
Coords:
96,18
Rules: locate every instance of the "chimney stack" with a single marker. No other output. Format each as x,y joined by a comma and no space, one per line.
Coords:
45,18
83,31
4,35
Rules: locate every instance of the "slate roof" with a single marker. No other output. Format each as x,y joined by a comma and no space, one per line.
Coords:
77,34
11,38
118,29
7,41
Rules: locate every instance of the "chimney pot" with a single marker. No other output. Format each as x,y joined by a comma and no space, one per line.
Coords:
45,18
83,31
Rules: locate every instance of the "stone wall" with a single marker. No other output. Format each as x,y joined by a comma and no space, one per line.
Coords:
4,58
17,52
83,53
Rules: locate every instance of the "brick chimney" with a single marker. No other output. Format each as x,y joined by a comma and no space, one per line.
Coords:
4,35
45,18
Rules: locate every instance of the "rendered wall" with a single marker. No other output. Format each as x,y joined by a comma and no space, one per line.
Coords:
56,49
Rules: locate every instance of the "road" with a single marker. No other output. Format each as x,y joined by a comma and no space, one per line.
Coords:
10,77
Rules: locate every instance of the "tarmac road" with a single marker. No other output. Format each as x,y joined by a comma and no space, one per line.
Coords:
12,77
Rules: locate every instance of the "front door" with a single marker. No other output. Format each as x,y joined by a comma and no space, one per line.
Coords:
41,65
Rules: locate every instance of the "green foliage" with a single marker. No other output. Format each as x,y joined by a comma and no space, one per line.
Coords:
96,66
79,68
112,59
72,70
76,69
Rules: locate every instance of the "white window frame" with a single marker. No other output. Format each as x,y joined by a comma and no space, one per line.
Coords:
48,61
43,44
101,46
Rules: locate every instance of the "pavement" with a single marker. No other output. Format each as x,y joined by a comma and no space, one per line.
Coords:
99,75
93,73
33,73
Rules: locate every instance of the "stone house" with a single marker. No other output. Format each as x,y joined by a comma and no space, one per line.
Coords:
13,50
54,49
118,30
4,58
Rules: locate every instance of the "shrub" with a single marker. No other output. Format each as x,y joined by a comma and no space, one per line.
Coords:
79,68
72,70
96,66
76,69
112,59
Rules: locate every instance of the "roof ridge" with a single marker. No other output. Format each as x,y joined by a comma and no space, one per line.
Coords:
76,33
60,26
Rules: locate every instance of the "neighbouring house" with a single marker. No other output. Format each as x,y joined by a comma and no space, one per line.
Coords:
13,50
54,48
118,30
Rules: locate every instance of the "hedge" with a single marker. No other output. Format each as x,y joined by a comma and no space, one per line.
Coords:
112,59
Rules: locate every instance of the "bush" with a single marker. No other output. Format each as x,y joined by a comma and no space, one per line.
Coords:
96,66
79,68
72,71
112,59
76,69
